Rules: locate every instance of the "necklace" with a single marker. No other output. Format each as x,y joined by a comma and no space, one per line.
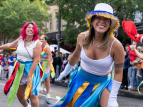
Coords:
98,47
27,43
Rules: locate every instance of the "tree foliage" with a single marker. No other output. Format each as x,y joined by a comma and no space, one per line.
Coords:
74,12
15,13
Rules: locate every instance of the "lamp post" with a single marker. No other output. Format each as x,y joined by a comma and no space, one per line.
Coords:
59,30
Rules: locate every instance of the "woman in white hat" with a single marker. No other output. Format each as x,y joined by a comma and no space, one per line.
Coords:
92,82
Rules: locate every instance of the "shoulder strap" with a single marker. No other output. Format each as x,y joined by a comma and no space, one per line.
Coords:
111,46
27,50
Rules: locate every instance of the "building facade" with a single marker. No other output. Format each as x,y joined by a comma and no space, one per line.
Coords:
52,25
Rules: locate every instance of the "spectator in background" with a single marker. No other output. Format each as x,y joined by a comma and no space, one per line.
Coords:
9,55
65,60
142,63
60,54
134,67
5,66
135,64
127,56
58,63
125,69
55,50
11,60
1,63
67,78
138,63
63,57
54,64
53,54
139,54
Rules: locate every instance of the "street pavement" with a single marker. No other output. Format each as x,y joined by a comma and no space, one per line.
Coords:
60,91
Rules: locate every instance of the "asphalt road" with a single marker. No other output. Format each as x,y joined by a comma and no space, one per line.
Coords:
60,91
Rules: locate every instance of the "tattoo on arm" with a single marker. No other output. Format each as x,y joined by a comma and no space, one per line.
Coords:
119,65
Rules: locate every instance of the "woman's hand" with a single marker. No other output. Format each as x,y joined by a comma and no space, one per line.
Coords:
29,81
47,70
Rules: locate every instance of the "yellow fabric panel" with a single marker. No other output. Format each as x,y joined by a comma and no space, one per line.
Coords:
95,86
40,66
52,69
28,88
14,64
43,64
78,93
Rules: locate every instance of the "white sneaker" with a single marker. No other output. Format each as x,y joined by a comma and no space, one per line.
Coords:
41,88
139,75
28,105
130,87
66,81
44,89
48,96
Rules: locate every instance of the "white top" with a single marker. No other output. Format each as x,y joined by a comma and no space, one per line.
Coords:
22,52
97,67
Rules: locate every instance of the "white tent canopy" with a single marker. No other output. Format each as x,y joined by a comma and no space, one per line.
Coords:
63,51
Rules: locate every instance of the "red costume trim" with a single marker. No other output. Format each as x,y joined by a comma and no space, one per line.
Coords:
11,79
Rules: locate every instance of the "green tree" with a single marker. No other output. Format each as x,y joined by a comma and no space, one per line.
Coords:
74,12
15,13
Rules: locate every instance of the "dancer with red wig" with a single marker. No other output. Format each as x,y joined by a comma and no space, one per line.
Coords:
25,79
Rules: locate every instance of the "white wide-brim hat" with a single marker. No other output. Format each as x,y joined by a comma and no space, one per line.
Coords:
105,10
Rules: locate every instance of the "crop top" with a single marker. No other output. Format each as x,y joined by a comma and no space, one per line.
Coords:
44,52
97,67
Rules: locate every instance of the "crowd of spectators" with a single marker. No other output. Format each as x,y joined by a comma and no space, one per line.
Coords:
60,60
7,64
133,68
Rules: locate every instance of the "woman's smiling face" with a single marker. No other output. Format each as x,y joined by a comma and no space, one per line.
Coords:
100,24
29,30
42,40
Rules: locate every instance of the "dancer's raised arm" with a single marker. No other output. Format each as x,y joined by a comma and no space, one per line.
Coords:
10,45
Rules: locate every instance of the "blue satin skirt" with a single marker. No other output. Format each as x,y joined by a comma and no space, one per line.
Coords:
85,89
